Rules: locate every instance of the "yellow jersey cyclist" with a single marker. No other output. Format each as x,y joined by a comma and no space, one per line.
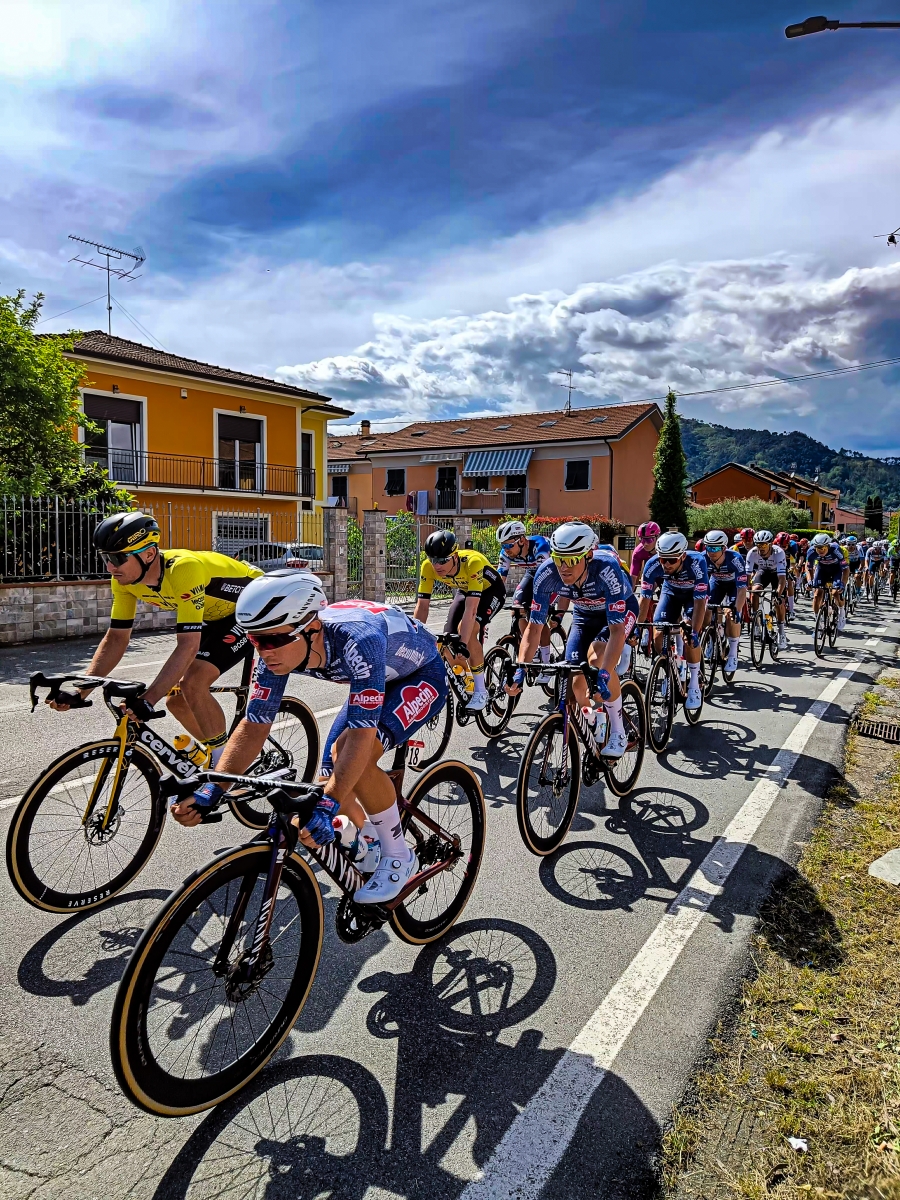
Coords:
202,588
480,594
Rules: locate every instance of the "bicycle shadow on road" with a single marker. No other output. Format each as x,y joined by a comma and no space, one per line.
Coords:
97,944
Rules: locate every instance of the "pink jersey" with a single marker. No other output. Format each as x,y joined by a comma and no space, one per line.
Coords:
640,555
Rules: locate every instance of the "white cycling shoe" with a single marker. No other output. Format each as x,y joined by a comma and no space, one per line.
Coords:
391,876
731,663
477,701
842,621
694,697
782,641
616,745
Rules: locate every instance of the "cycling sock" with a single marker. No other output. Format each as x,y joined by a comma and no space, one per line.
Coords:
624,661
390,832
694,669
614,709
733,644
215,745
781,626
679,645
545,653
478,678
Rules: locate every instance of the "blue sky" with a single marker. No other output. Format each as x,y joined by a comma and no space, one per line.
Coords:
426,208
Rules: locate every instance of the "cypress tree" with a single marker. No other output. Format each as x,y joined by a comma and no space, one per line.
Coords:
877,514
668,504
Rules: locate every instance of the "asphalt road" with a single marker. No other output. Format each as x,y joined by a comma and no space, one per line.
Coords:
536,1051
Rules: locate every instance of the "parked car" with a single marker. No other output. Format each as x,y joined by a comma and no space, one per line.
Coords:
269,556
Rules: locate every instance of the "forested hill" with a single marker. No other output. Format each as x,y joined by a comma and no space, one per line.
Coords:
710,446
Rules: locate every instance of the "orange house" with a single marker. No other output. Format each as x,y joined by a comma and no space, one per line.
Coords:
737,481
592,461
219,456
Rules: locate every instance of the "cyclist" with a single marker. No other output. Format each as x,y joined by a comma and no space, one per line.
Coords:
202,587
854,559
767,564
683,583
644,550
826,564
518,549
893,559
728,585
875,556
744,543
397,683
480,594
604,614
791,548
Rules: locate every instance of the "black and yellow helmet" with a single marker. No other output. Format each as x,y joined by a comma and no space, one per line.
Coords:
124,532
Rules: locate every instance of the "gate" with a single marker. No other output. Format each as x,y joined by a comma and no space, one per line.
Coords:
354,558
401,568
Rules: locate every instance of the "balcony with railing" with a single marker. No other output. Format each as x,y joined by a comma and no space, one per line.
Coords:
142,468
499,501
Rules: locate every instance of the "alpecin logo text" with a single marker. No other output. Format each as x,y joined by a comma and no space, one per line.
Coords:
416,700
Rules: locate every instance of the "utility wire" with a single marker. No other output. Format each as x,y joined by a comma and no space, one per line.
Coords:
75,309
138,326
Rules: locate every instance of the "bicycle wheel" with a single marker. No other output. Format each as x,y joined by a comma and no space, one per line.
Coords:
728,676
820,633
622,773
548,785
494,717
59,863
450,797
183,1036
709,657
832,624
293,741
876,590
758,638
557,654
435,734
659,703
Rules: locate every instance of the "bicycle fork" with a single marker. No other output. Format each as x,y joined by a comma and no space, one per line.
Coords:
121,770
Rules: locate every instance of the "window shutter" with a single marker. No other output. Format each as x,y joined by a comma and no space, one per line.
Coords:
111,408
241,429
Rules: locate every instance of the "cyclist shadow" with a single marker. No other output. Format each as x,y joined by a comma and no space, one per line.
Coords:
97,944
727,749
497,765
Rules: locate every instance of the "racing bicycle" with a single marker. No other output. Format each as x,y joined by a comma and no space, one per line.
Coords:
665,689
826,627
89,823
714,647
223,970
563,753
764,629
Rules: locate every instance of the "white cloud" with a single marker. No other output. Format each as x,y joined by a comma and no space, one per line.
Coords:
692,327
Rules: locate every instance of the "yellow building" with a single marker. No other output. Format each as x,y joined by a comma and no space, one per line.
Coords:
218,456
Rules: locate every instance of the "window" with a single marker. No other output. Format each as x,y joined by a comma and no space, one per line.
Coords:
446,487
117,446
339,488
240,452
395,481
546,424
307,474
578,475
515,491
481,483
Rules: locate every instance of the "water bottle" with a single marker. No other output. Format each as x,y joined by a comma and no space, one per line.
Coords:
600,725
186,745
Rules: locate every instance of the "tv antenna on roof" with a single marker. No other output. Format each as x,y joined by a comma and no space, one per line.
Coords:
570,388
112,255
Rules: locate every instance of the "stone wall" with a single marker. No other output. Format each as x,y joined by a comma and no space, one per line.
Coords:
39,612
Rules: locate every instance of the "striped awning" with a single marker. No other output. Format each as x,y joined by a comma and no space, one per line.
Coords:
497,462
339,468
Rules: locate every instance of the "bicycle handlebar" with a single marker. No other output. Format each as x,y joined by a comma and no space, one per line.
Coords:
285,795
120,689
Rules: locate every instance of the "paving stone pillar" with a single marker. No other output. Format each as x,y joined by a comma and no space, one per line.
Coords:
336,550
374,555
462,527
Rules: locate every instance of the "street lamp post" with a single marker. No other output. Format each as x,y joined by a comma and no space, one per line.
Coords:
820,24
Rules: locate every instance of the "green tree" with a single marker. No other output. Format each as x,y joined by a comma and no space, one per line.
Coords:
737,514
40,409
668,505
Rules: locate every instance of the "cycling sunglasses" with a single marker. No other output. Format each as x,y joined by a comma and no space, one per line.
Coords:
569,560
670,561
117,558
272,641
442,562
509,545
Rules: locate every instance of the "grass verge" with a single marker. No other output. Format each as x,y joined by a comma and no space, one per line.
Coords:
813,1052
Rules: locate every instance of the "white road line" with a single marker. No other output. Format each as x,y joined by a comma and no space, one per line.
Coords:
537,1139
10,801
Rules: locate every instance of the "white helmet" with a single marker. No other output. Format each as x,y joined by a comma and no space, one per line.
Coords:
285,597
509,530
716,539
762,537
669,544
821,539
573,538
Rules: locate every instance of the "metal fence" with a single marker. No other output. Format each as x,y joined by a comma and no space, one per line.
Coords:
50,537
354,558
43,538
404,540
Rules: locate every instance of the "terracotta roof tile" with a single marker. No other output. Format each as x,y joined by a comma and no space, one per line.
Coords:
505,429
97,344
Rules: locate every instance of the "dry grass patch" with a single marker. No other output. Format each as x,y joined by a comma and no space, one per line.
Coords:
814,1051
